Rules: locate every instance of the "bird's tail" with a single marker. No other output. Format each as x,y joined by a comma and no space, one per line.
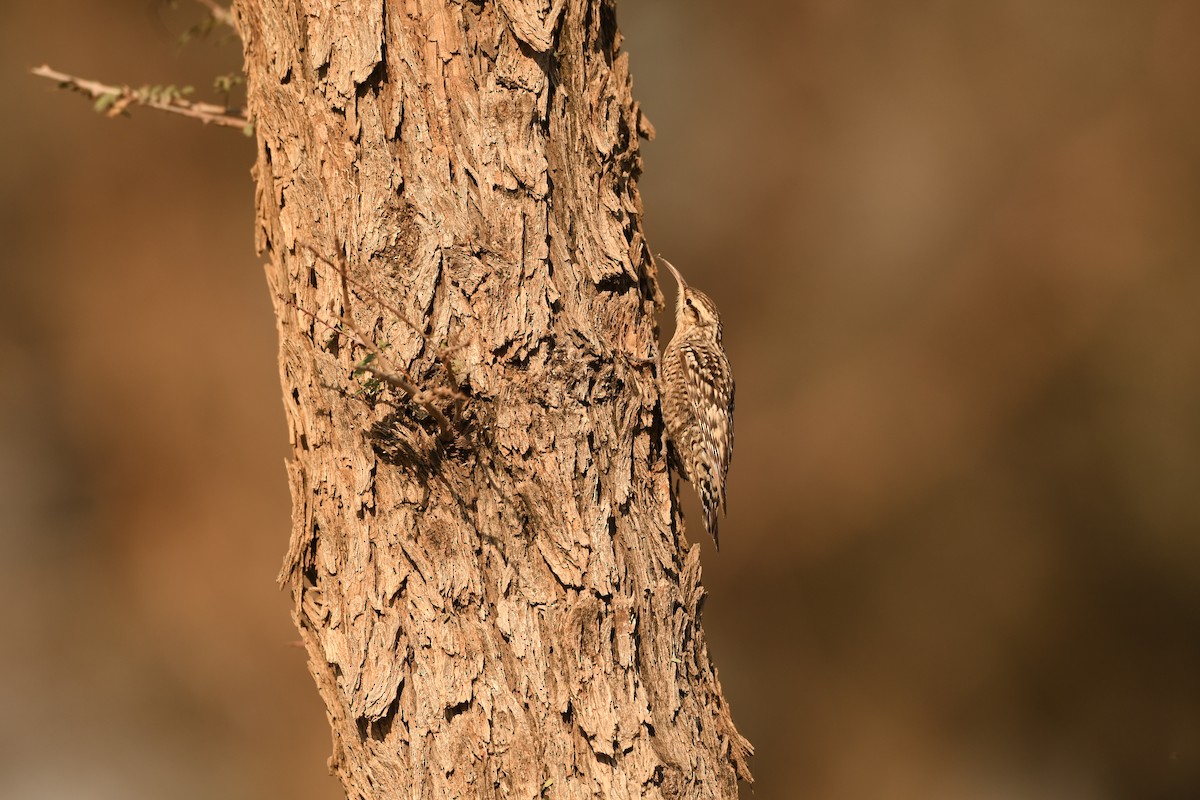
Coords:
712,507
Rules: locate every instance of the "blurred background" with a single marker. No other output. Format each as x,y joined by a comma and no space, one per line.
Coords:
956,248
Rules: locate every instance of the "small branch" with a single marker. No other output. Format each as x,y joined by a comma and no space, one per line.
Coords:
401,381
117,99
443,353
345,276
219,12
398,379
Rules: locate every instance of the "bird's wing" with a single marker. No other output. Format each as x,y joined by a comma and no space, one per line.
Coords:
710,394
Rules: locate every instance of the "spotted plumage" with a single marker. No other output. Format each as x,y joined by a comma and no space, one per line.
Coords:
697,399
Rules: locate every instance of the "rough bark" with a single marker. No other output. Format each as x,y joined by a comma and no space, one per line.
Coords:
514,612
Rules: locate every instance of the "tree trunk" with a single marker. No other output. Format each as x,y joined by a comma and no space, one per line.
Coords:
509,609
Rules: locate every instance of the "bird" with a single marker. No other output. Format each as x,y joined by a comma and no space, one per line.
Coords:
696,388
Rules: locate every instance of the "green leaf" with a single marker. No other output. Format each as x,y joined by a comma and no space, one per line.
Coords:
225,83
105,101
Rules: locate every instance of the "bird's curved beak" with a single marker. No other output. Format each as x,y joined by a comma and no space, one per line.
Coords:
678,278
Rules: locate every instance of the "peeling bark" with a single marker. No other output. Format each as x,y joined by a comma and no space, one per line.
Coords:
516,612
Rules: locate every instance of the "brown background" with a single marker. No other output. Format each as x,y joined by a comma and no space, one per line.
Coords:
956,247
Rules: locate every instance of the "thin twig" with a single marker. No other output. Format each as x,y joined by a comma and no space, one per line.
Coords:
122,97
443,353
219,12
402,382
398,379
405,383
395,312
